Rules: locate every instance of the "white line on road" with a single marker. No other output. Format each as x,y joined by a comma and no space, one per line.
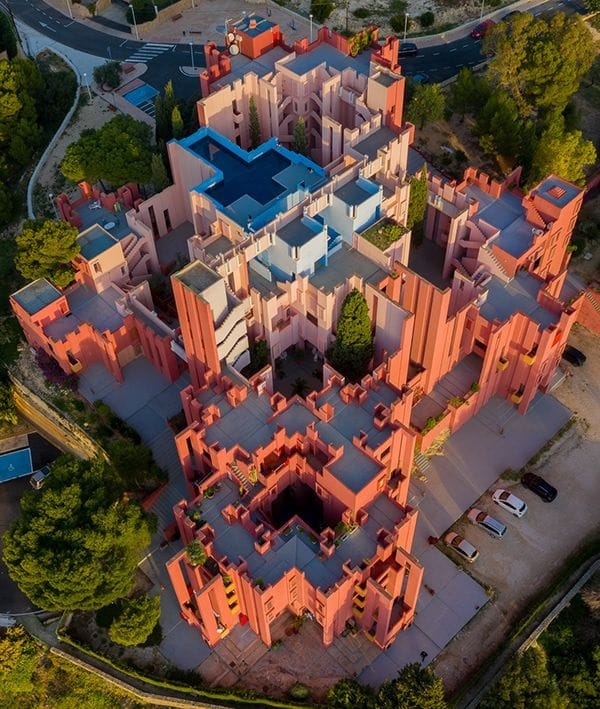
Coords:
123,42
436,54
43,24
454,50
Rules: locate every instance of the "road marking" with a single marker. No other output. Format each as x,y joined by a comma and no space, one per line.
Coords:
70,23
43,24
436,54
454,50
149,51
123,42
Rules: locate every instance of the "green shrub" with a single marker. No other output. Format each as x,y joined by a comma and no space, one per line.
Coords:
299,692
397,22
427,19
362,12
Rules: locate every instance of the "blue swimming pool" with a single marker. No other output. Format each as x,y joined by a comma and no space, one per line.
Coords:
141,95
15,464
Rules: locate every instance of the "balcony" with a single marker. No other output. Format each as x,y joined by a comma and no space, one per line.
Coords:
502,364
530,357
517,396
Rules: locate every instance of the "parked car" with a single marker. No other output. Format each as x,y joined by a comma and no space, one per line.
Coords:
541,487
420,78
461,546
574,356
511,503
38,479
408,49
482,29
489,524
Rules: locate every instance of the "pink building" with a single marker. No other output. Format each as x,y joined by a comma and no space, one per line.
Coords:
301,504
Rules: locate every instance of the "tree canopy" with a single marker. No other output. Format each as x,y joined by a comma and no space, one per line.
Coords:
108,74
561,152
78,541
539,62
321,9
136,620
17,661
353,347
415,686
426,105
418,199
45,249
8,41
118,152
349,694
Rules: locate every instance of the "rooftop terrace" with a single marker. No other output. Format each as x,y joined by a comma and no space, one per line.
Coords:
518,295
94,241
331,57
37,295
344,263
296,546
557,191
97,309
296,233
371,144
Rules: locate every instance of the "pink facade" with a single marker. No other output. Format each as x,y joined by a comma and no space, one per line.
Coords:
301,504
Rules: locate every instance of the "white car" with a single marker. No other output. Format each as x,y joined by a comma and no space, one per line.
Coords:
486,522
461,546
511,503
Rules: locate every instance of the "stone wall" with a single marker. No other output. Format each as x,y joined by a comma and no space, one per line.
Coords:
52,424
163,15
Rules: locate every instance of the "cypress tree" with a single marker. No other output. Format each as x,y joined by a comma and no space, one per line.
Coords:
353,347
254,124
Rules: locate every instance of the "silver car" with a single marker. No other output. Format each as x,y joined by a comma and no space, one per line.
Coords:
461,546
489,524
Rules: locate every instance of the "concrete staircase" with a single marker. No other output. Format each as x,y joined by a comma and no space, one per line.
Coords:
245,482
422,465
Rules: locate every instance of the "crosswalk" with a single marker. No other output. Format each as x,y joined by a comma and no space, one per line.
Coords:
149,51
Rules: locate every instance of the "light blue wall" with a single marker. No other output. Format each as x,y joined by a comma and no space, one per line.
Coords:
281,255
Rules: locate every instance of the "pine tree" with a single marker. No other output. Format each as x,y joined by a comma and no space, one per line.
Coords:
299,140
254,124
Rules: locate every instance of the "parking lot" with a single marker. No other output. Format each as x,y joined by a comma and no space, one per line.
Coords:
535,547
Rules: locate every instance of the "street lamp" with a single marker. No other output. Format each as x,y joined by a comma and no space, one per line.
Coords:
69,10
481,13
310,17
87,85
192,54
137,34
405,25
51,198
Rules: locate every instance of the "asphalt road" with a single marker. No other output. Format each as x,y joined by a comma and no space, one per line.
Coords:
163,64
438,62
445,60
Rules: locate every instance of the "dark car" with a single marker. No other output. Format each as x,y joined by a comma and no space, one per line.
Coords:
408,49
574,356
541,487
482,28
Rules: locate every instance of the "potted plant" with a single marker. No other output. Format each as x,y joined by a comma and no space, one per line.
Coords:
196,553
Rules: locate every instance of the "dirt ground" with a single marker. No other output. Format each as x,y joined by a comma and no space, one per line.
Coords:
446,13
535,546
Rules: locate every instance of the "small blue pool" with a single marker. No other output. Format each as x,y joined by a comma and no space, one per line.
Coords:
141,95
15,464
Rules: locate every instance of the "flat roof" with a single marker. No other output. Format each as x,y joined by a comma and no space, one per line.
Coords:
261,25
328,55
518,295
345,263
296,233
352,193
97,309
37,295
94,241
375,140
197,276
557,191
